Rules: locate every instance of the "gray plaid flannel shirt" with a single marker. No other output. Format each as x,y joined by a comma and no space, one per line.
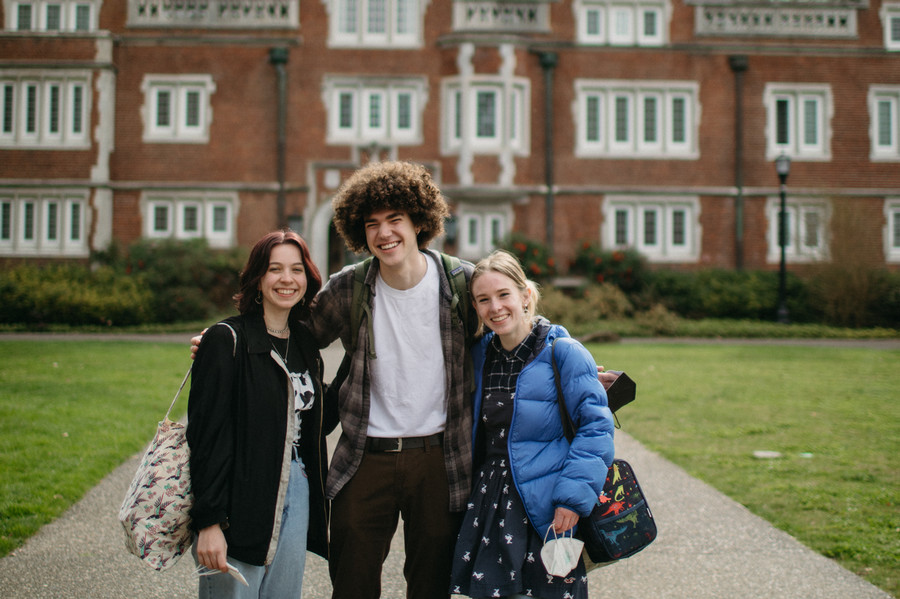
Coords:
331,320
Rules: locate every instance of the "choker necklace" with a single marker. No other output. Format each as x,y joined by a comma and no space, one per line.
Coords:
281,332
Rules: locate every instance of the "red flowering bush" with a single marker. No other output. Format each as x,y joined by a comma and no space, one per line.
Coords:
534,256
623,268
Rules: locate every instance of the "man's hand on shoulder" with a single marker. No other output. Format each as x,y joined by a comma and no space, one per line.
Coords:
195,343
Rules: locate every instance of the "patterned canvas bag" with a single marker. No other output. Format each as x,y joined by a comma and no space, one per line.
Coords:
154,513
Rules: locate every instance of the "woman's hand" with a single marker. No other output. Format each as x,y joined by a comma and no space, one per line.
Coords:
563,520
212,548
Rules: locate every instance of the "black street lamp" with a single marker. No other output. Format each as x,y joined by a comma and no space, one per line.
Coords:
783,168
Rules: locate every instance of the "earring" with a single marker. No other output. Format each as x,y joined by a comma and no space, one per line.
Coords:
525,308
301,302
258,299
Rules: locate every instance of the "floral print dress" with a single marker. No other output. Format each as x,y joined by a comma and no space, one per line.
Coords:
498,551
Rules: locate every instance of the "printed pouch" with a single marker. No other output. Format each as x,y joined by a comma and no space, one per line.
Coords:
621,524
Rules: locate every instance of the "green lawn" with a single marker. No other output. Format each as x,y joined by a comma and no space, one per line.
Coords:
70,412
832,413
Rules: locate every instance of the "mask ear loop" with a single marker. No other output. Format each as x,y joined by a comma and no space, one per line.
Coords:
546,534
571,532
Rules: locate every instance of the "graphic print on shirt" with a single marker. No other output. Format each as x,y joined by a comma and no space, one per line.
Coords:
304,394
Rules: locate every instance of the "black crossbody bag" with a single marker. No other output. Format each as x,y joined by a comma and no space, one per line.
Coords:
621,523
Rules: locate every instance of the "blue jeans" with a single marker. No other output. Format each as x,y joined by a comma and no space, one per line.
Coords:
283,578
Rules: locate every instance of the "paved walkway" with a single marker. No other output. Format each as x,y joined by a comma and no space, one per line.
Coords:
709,547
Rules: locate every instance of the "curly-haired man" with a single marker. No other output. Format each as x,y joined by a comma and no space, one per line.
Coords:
405,448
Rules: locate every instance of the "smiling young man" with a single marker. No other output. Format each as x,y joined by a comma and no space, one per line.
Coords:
405,407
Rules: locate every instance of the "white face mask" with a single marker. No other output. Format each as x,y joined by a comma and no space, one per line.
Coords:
560,555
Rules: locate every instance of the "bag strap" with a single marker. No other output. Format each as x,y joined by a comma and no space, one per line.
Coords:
172,405
568,426
459,288
191,367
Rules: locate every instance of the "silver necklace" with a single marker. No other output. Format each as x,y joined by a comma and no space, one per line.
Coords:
281,332
287,349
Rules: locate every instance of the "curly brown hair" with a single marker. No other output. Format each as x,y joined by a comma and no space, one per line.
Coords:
389,186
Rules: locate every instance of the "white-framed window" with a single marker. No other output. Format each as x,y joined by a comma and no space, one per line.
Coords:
177,108
622,22
890,24
664,229
798,120
194,215
884,122
806,227
892,230
486,115
636,119
375,23
44,109
52,15
482,229
362,111
43,223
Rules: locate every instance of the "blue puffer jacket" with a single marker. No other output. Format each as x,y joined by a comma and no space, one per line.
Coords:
547,471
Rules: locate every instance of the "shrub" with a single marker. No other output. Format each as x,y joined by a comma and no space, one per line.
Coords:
534,256
560,308
718,293
595,302
606,301
71,294
658,320
624,268
189,281
853,296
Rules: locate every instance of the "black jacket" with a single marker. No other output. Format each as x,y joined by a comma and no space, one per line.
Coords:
238,414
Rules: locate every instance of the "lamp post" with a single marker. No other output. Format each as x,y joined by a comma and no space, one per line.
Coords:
783,168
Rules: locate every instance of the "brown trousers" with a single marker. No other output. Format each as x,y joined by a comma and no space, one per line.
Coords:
412,484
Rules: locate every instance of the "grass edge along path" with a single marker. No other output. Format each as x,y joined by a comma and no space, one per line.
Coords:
830,412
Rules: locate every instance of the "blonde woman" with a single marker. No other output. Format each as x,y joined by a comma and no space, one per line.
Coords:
528,479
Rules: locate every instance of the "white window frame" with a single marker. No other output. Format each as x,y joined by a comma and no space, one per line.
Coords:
797,97
892,230
68,14
29,228
216,237
621,22
490,224
403,23
663,246
199,227
361,129
612,107
33,116
463,115
205,204
179,87
884,96
890,25
797,210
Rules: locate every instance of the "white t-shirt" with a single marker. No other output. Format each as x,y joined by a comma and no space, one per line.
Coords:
408,387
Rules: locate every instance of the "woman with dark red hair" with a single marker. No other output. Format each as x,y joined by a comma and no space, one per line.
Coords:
256,429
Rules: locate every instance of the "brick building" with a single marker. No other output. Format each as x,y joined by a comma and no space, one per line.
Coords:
651,124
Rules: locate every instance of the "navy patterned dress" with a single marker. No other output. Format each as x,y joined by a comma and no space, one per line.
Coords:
498,551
